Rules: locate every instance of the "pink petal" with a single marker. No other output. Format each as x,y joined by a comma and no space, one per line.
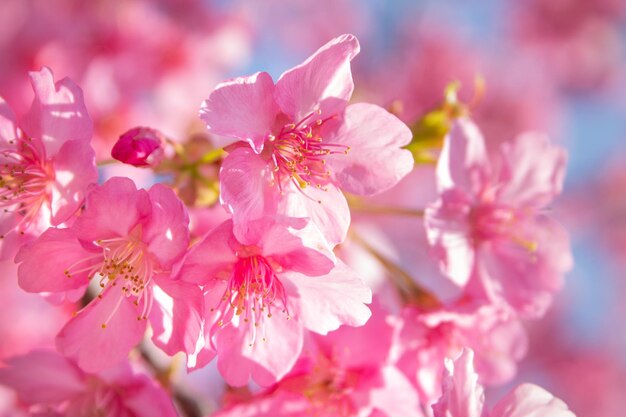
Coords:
43,377
242,108
95,348
44,262
328,210
533,171
449,234
8,124
463,162
462,395
375,161
391,394
529,400
176,317
74,169
323,81
141,396
58,113
328,301
245,189
295,244
212,256
112,210
167,231
266,361
528,277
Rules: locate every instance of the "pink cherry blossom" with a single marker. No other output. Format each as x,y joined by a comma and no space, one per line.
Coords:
463,396
126,240
46,160
304,143
140,146
489,229
262,292
428,337
47,384
344,373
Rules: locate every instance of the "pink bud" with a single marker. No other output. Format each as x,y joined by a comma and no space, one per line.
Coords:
140,146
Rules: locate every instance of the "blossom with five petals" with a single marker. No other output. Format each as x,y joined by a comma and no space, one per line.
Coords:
296,143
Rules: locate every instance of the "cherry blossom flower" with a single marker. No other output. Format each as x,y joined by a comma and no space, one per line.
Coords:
48,384
488,228
126,240
262,292
428,337
140,146
342,374
463,396
46,161
297,142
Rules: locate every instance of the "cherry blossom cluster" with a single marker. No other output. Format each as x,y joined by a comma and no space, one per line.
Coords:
282,246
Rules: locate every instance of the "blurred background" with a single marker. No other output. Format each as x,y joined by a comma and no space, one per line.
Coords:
556,66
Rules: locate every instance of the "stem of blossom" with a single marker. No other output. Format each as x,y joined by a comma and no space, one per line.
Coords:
357,205
185,402
409,291
106,162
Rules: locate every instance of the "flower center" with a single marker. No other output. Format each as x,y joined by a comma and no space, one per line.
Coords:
490,221
252,295
124,261
298,153
24,178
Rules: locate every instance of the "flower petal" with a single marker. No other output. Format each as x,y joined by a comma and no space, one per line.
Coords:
43,377
327,209
245,189
58,113
375,161
462,395
112,210
528,400
167,231
44,262
266,353
242,108
94,347
532,172
74,169
323,81
329,301
8,124
176,317
211,256
463,162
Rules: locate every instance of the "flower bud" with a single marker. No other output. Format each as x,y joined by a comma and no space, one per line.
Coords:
140,147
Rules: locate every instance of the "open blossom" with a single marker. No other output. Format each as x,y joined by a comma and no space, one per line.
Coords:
47,384
304,143
428,337
46,161
347,373
463,396
140,146
264,291
488,228
127,240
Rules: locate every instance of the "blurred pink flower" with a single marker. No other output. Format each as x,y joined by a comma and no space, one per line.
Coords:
128,240
463,396
47,384
46,162
488,229
346,373
428,337
264,290
140,146
305,144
